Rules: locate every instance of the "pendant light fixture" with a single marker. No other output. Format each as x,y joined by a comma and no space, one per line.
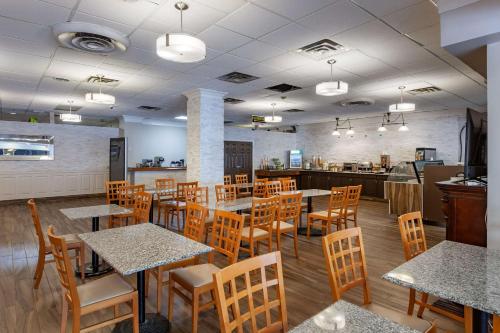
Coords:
70,117
100,98
402,106
273,118
403,127
339,125
382,128
399,120
332,88
180,47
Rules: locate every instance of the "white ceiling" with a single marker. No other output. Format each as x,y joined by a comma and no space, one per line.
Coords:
257,37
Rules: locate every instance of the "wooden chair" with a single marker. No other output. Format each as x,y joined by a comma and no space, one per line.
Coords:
94,296
288,185
142,205
243,191
225,193
242,301
273,188
199,195
282,180
178,206
351,204
44,248
346,266
112,190
165,192
264,212
334,213
288,210
259,188
198,279
412,233
195,226
227,180
126,199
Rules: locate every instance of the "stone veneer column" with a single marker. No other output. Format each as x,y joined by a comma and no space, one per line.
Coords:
205,137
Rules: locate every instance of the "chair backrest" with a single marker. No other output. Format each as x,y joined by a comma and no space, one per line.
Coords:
225,193
226,235
249,291
64,268
289,208
352,196
259,188
38,226
181,189
196,215
113,190
264,213
273,187
241,179
336,203
283,179
227,180
165,188
345,262
198,195
127,195
289,185
412,232
142,205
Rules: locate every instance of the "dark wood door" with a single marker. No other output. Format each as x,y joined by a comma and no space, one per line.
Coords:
238,158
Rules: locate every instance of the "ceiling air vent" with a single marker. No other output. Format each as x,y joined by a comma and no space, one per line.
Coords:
149,108
89,37
231,100
65,107
237,77
425,90
283,88
356,102
99,79
293,110
322,49
60,79
227,122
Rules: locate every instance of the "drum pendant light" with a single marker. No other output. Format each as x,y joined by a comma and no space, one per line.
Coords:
402,106
273,118
332,88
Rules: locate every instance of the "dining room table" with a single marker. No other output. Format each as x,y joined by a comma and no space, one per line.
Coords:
354,318
461,273
135,249
94,212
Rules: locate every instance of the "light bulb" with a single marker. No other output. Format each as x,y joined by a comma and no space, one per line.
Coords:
403,128
382,129
350,131
336,133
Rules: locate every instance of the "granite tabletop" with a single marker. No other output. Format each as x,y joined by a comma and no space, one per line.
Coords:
357,320
139,247
93,211
462,273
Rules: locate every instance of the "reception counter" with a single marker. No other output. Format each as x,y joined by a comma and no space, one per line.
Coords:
148,175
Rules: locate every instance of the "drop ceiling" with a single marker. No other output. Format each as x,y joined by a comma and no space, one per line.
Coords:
388,43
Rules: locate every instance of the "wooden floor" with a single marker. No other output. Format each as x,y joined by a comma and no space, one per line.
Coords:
22,309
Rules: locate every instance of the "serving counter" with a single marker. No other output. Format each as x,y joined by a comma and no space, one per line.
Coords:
148,175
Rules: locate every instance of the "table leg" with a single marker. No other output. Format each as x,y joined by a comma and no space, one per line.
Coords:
151,211
95,257
303,230
480,321
148,322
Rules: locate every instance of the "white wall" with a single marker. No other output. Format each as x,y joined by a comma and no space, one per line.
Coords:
148,141
80,165
438,130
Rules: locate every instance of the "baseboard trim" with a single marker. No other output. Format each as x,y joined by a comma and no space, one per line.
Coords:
46,199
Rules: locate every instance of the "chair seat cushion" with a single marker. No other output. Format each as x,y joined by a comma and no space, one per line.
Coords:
257,233
72,242
103,289
323,214
195,276
414,322
283,226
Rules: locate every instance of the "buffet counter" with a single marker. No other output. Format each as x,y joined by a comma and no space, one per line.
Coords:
147,175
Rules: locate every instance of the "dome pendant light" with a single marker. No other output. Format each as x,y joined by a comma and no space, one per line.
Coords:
273,118
70,117
332,88
100,98
180,47
401,106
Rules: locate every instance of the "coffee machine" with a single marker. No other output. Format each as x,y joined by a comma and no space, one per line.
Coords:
158,160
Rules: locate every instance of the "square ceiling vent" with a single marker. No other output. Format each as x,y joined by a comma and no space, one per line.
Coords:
294,110
237,77
231,100
322,49
105,81
283,88
149,108
425,90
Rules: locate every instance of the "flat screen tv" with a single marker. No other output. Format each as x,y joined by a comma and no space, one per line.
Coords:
475,145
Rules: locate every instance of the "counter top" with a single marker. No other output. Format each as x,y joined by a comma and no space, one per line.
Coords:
156,169
298,171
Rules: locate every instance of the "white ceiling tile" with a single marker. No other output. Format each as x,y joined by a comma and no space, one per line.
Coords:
23,64
361,64
257,51
52,86
71,71
244,21
336,18
226,6
287,61
292,37
29,47
84,58
120,27
413,18
261,70
126,12
428,36
383,7
221,39
144,39
209,71
138,56
34,11
63,3
25,30
293,9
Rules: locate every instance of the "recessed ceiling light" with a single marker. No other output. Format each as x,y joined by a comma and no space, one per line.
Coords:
181,117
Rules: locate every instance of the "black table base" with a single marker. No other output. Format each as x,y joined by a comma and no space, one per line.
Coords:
303,230
90,270
153,323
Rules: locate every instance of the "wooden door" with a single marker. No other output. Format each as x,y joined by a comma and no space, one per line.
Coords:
238,158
